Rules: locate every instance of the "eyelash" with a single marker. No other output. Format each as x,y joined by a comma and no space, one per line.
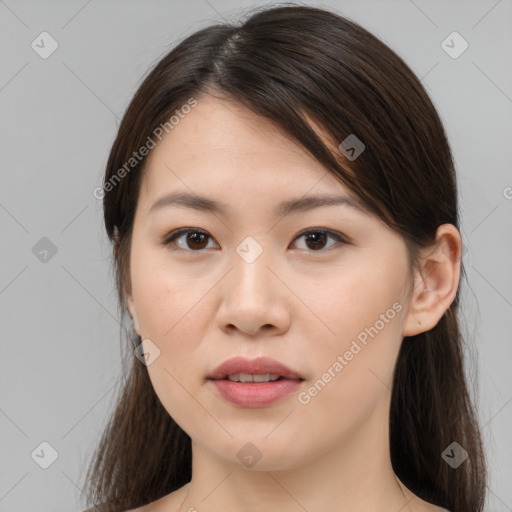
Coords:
169,240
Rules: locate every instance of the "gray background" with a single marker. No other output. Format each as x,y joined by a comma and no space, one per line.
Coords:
61,355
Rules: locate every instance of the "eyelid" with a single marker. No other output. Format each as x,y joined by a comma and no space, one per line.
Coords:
173,235
334,234
339,237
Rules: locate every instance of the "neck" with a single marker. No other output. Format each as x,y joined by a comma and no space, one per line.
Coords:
355,476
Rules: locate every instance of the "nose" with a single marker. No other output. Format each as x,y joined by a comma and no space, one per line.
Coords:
254,299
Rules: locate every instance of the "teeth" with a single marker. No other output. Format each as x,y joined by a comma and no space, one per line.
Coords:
250,377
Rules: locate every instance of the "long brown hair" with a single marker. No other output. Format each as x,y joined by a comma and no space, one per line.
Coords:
286,63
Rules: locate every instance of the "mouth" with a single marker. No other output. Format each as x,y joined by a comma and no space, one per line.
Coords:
254,383
256,371
256,378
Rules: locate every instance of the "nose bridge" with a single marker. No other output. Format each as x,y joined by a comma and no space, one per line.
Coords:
251,299
251,260
251,250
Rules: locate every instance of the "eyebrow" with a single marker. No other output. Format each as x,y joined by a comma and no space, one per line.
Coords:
284,208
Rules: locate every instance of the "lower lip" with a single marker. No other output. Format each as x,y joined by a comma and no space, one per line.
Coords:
258,394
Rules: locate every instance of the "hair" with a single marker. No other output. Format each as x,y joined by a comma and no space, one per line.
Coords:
292,64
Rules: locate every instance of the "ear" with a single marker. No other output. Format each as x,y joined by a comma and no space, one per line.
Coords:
133,313
436,285
127,287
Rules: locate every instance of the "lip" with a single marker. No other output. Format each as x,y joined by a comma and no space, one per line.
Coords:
257,394
259,365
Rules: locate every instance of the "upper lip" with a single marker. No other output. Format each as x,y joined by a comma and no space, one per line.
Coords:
260,365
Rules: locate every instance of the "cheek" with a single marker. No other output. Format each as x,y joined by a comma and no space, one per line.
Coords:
336,317
354,379
171,310
359,296
164,295
360,338
172,322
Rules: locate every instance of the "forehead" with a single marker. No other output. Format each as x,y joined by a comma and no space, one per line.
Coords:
222,148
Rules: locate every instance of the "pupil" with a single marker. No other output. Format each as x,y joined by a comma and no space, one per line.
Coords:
192,236
314,235
199,239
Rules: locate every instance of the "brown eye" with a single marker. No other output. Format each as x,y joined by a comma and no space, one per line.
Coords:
195,240
316,238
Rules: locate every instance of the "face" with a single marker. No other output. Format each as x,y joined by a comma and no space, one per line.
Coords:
321,290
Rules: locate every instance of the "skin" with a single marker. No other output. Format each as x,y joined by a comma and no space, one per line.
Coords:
302,304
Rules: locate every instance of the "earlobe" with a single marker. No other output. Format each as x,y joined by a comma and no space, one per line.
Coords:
437,283
133,314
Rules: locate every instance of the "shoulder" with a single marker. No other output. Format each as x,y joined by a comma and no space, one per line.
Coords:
168,502
420,505
106,508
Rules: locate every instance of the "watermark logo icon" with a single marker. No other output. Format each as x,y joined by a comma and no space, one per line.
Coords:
44,455
249,249
44,45
352,147
44,250
454,45
147,352
249,455
454,455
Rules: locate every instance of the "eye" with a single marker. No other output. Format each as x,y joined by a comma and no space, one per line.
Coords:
317,236
196,239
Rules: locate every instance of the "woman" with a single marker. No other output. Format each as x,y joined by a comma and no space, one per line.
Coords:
282,203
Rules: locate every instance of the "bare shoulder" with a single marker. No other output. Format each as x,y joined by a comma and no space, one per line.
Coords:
168,503
424,506
416,504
